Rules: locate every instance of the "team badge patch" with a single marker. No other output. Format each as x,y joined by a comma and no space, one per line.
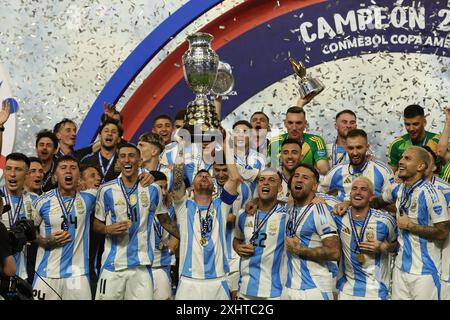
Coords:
414,205
144,199
273,227
437,209
79,206
119,203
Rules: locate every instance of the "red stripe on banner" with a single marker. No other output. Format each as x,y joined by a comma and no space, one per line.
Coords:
2,161
225,28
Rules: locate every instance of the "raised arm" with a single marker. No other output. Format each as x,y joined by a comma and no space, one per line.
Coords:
178,187
4,115
234,178
169,224
443,141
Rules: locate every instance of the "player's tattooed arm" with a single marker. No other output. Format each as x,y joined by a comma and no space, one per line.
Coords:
330,250
169,224
178,187
437,232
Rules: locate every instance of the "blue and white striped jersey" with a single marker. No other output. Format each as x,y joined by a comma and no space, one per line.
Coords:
162,258
444,187
302,274
73,258
242,198
193,160
371,278
135,248
425,206
207,261
20,210
341,177
249,168
260,274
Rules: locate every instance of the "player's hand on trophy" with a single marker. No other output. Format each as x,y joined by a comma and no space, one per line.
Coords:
301,102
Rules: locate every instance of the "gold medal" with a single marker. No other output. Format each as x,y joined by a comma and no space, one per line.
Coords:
161,245
203,241
361,258
133,199
130,223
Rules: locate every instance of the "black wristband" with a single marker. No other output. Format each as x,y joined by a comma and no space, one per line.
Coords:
2,128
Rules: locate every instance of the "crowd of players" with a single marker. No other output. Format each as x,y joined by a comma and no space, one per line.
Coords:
249,217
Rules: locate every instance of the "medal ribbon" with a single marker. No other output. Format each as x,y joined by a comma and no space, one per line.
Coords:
360,171
406,194
204,221
49,175
258,225
359,239
294,222
158,228
13,217
127,195
65,210
102,168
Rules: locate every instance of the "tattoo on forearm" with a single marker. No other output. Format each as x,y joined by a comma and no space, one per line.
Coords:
318,254
430,233
178,175
169,225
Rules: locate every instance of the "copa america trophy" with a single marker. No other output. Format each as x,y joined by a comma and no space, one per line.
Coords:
308,86
200,66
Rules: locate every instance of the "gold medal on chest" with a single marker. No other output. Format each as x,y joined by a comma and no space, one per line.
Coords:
133,199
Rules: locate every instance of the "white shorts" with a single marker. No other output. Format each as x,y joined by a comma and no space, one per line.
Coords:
344,296
233,275
162,283
242,296
202,289
309,294
445,290
73,288
129,284
407,286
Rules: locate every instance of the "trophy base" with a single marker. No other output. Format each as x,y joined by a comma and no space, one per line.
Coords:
201,120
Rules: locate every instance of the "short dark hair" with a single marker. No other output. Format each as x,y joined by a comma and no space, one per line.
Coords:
161,116
346,111
242,122
413,110
295,109
34,159
259,112
180,114
310,168
17,156
58,126
158,175
201,171
356,133
128,145
67,157
291,141
85,166
437,160
154,139
45,133
111,121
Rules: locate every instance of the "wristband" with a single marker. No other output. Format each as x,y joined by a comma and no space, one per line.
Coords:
2,128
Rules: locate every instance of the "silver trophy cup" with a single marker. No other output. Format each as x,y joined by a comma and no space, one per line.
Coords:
200,66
